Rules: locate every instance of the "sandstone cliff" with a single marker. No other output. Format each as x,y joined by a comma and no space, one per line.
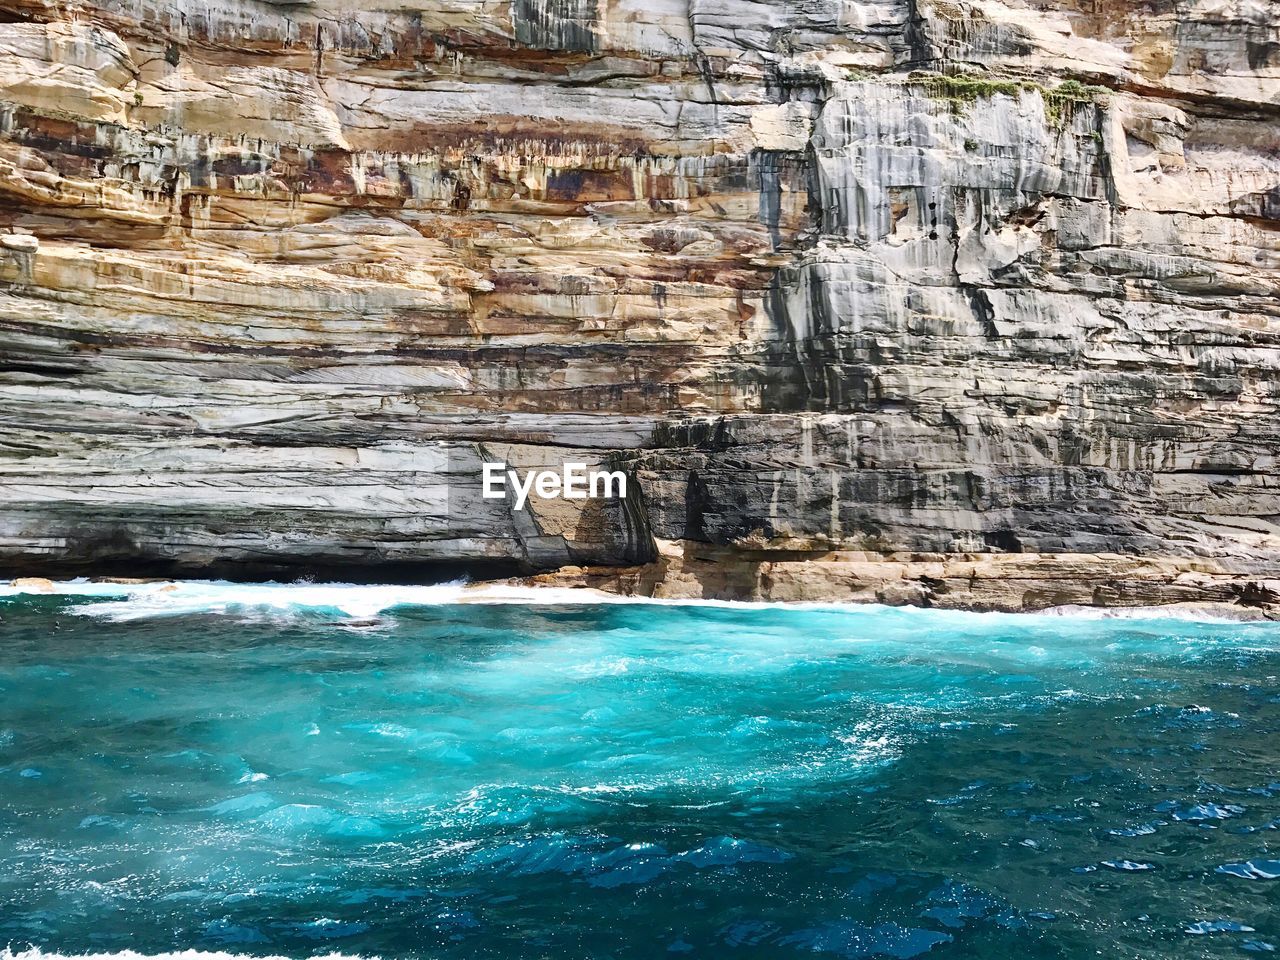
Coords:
970,302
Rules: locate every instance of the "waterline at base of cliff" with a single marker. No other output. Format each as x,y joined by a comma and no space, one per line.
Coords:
363,604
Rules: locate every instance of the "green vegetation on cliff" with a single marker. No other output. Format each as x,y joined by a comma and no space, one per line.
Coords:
963,90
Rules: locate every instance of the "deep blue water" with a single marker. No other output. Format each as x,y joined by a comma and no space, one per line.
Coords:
618,781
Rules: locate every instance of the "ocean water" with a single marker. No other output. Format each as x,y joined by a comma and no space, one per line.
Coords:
386,772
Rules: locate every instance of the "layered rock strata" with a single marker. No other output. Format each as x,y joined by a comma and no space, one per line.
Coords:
968,303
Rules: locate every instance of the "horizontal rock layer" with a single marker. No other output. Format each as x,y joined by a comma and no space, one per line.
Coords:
829,280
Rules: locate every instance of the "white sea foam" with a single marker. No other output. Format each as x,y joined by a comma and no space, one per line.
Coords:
133,601
360,602
353,601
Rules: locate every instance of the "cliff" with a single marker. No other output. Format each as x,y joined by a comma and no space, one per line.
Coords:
933,301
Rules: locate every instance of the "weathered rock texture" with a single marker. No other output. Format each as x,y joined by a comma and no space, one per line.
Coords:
971,303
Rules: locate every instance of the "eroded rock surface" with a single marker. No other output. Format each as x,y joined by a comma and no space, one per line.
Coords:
886,300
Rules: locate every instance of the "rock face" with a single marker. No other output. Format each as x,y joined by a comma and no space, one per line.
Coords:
970,303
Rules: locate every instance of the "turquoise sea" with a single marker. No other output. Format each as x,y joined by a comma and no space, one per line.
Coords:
388,772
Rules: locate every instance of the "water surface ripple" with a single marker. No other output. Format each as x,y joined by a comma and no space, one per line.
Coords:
460,780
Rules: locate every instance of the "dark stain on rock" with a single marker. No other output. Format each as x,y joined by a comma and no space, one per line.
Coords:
557,24
461,199
589,186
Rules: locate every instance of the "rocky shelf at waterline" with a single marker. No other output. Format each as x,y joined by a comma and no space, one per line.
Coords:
982,582
276,280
